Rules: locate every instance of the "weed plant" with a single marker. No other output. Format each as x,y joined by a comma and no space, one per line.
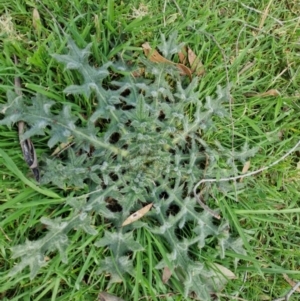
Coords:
138,147
133,141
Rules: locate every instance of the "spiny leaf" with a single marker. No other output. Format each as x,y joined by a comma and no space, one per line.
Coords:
34,261
116,267
13,109
76,57
169,46
119,243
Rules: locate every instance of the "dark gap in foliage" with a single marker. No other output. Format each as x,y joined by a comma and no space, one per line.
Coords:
98,220
126,93
128,254
171,184
91,151
114,176
128,123
184,191
111,77
113,205
102,123
125,146
217,222
172,151
106,85
114,138
127,107
87,278
118,106
188,143
193,252
37,232
173,210
184,232
161,116
202,164
179,234
198,209
163,195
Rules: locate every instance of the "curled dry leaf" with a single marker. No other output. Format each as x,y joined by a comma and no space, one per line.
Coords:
154,56
108,297
196,65
185,70
137,215
245,169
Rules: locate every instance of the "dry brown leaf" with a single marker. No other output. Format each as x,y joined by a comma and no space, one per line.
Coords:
182,55
192,58
137,215
245,169
108,297
185,70
290,282
271,92
35,18
196,65
225,272
36,21
154,56
167,273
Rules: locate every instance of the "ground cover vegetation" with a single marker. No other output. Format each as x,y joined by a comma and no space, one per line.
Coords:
129,106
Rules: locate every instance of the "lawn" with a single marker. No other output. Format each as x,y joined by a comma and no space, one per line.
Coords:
251,46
